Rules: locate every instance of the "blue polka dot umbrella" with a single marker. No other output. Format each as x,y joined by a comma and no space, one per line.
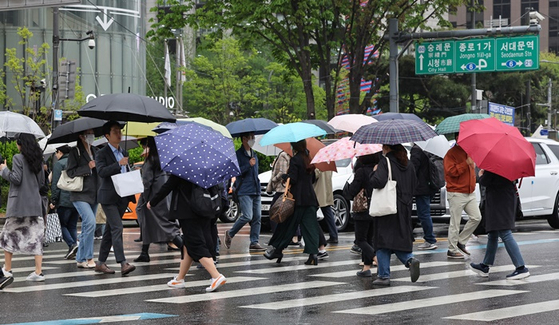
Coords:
197,154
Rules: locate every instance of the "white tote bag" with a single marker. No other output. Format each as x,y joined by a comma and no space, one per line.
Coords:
383,200
67,183
129,183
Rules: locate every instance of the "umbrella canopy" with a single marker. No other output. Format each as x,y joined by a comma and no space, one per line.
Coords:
269,150
291,132
198,154
140,129
126,107
323,125
69,131
128,142
12,124
498,148
250,125
49,149
350,122
343,149
394,132
438,145
200,120
397,116
313,146
452,124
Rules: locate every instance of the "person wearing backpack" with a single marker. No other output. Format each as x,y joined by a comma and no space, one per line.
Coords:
197,219
423,193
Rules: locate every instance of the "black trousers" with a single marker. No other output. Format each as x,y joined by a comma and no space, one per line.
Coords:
113,231
364,239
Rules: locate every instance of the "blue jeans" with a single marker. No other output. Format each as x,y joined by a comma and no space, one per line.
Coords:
423,203
69,224
87,212
330,221
250,212
383,259
510,245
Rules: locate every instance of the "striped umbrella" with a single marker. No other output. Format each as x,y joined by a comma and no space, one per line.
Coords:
393,132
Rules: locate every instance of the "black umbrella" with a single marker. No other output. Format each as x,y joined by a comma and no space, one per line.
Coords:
69,131
323,125
127,107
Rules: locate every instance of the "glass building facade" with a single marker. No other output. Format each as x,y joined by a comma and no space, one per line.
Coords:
115,65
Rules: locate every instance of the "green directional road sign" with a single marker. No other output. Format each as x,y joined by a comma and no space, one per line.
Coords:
434,57
518,53
477,55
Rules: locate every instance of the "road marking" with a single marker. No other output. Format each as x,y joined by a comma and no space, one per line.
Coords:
114,278
154,288
530,279
102,319
509,312
296,267
429,302
455,274
303,302
345,274
16,270
247,292
83,273
242,263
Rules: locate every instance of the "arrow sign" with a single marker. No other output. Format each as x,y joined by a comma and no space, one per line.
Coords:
482,64
103,22
421,62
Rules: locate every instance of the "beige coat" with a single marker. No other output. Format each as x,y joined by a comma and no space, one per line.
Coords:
323,188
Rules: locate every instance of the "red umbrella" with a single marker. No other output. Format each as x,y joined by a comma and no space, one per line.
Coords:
498,148
313,145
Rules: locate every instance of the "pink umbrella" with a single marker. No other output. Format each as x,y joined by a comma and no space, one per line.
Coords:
351,122
343,149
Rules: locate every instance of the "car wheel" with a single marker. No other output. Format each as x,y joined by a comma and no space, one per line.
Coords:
231,214
553,219
341,212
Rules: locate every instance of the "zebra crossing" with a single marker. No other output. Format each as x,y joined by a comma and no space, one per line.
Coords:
255,283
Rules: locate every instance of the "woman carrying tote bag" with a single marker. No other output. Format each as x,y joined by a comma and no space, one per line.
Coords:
394,233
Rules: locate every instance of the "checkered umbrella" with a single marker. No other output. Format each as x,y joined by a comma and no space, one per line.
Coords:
452,124
393,132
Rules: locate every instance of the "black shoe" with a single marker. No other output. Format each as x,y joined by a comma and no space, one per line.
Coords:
137,240
272,253
462,248
413,264
71,252
5,281
332,240
313,260
142,258
171,248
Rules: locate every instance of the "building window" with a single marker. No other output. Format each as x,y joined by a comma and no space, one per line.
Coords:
534,4
501,8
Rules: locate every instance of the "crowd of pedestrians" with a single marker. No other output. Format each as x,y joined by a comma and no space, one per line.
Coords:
165,209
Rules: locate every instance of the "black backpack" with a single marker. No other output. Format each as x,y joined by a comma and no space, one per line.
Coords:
436,172
205,202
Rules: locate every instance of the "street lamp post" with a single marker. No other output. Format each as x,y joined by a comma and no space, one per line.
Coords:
55,46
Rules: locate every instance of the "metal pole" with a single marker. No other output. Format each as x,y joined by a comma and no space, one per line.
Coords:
55,45
549,105
394,92
473,84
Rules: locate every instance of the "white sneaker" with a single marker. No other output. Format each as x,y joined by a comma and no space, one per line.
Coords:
216,283
427,246
34,277
174,283
474,239
6,273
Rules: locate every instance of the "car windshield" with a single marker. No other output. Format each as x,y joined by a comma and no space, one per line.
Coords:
343,162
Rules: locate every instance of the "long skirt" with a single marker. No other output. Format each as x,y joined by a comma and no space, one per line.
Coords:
23,235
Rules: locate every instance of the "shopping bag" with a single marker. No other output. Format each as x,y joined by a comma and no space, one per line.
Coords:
53,232
129,183
383,200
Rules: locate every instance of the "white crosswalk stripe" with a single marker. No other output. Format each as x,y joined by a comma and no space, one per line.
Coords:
247,292
509,312
531,279
346,274
455,274
431,302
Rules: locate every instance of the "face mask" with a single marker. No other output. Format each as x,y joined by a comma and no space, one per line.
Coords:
251,143
89,138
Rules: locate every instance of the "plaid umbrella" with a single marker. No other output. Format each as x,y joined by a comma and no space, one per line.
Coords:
452,124
398,116
393,132
198,154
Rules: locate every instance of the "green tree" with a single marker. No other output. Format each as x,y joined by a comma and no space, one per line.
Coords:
26,72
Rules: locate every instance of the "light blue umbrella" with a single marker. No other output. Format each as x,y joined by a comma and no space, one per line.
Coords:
291,132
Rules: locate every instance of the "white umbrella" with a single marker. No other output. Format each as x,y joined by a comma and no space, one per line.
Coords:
438,145
269,150
351,122
51,148
13,123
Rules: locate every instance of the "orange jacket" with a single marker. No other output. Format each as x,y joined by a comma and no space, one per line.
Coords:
460,177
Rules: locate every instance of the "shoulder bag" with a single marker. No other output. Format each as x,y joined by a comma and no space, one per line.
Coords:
383,200
70,184
284,206
360,202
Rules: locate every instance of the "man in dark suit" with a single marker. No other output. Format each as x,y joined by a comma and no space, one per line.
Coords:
109,161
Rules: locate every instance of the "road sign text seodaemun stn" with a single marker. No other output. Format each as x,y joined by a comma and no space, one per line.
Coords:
478,55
